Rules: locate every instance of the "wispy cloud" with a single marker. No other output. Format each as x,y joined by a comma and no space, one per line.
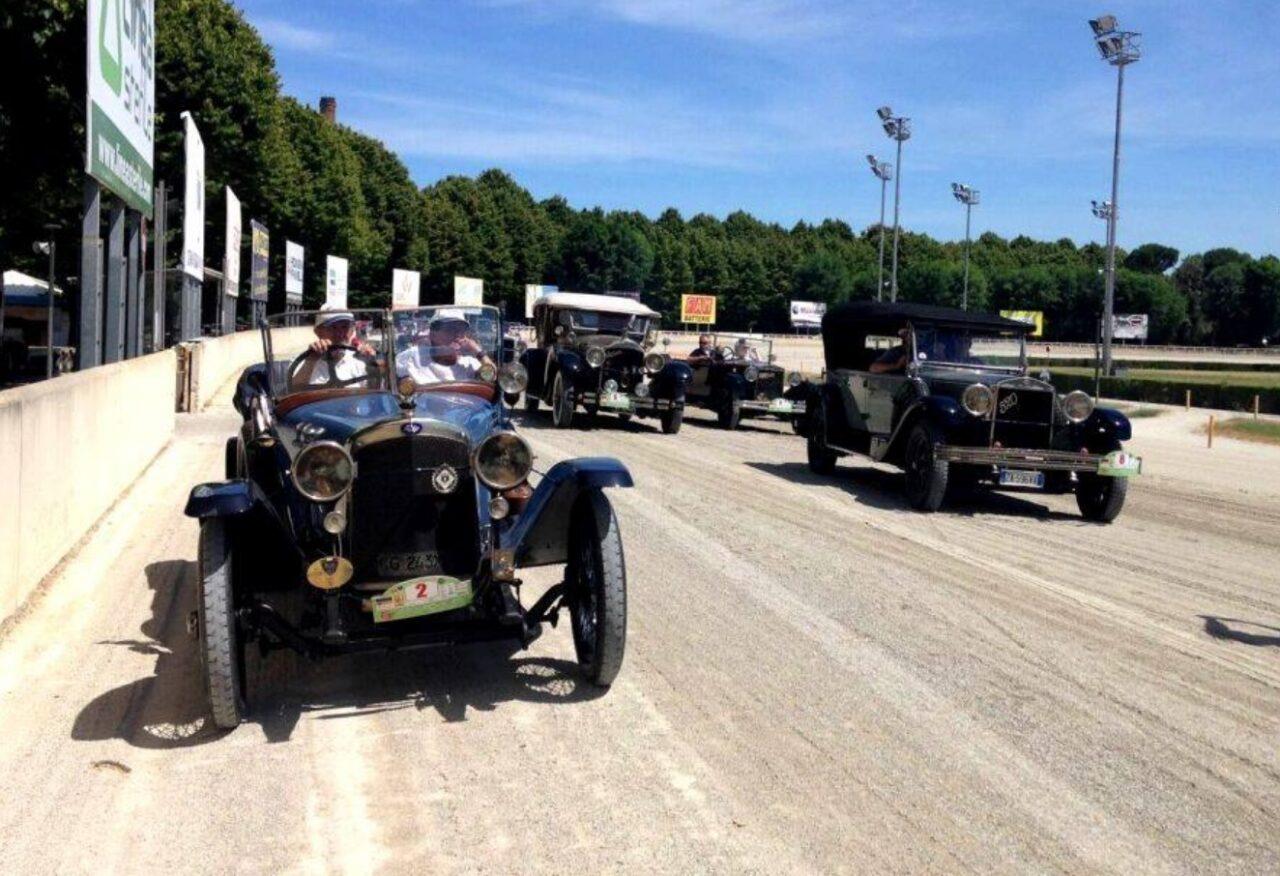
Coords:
286,35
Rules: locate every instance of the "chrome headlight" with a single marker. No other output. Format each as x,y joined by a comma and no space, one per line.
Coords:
513,378
595,356
794,379
503,460
642,390
654,362
978,399
611,385
323,471
1077,405
751,373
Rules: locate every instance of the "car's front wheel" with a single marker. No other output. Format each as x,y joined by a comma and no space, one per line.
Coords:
562,403
597,588
1100,498
671,421
926,475
220,649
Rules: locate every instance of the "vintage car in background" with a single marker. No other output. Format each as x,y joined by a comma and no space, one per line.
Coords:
596,352
740,380
376,500
945,395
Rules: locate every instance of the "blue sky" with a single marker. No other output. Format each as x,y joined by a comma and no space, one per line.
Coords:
768,106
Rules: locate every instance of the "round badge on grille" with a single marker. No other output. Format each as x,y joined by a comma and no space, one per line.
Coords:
411,428
445,480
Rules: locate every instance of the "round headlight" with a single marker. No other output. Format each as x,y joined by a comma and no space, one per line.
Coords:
503,460
1077,405
513,378
595,356
977,399
323,471
488,372
642,390
611,385
654,362
751,373
794,379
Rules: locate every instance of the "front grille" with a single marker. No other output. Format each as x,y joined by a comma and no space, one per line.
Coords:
1024,417
768,385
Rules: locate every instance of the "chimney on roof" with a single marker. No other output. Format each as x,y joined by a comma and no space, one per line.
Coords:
329,108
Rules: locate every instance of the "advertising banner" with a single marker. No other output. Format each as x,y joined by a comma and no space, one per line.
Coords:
335,282
698,309
231,249
468,291
531,295
292,272
405,286
260,267
1129,326
807,314
1031,317
193,203
121,98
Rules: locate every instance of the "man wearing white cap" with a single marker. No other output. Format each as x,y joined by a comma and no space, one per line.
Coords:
323,366
447,353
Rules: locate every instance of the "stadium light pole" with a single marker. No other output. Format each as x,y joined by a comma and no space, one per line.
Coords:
1119,48
884,172
968,196
896,128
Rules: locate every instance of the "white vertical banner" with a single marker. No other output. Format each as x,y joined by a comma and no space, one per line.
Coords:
531,295
468,291
231,250
193,203
405,288
335,285
293,255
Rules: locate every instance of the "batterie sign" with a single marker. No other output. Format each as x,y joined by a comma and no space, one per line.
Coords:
698,309
1031,317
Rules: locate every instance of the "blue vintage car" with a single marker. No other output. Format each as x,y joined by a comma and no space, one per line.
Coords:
377,497
595,352
945,394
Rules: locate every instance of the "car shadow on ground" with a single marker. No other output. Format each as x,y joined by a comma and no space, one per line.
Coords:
168,708
746,424
878,488
541,421
1219,629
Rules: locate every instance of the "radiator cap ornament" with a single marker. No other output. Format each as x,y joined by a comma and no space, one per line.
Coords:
445,479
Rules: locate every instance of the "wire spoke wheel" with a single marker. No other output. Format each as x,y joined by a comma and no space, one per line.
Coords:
597,588
925,475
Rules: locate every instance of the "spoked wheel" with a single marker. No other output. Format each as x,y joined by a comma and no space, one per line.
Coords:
926,475
597,588
822,459
1101,498
562,403
221,651
730,414
671,421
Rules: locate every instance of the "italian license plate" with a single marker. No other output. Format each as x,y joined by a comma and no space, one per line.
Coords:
780,406
1120,464
615,401
407,565
1014,477
420,596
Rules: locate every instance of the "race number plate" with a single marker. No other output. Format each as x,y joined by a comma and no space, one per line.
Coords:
781,406
615,401
420,596
1120,464
1013,477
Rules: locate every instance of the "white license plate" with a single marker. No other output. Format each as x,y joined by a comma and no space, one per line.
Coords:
780,406
1014,477
615,401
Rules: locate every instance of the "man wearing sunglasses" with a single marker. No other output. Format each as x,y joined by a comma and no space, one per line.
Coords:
446,354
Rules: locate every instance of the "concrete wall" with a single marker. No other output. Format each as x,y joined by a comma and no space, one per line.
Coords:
218,361
69,447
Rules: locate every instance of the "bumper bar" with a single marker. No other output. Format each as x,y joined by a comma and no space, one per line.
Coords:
1040,460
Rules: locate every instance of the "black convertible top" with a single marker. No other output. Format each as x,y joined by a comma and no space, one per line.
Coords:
859,316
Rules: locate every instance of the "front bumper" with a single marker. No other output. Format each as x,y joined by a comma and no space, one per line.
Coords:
1117,464
621,402
778,407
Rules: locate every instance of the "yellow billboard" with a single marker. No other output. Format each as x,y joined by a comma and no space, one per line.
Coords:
698,309
1034,317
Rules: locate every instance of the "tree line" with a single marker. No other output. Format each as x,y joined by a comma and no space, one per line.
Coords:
340,192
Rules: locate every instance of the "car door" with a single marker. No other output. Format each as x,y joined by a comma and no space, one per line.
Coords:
879,392
851,386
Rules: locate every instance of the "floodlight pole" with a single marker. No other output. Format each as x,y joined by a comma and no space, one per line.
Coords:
1108,303
884,184
897,195
968,212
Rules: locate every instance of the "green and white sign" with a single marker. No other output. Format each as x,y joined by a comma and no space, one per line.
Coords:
120,109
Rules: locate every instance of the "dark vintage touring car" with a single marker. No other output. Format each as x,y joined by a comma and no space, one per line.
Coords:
741,380
945,394
377,497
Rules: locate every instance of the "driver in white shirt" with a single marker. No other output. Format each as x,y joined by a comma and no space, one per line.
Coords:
448,352
334,326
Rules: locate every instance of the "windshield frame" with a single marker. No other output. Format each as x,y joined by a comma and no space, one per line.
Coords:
973,334
630,332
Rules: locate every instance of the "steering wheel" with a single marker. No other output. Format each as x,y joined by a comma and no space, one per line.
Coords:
332,382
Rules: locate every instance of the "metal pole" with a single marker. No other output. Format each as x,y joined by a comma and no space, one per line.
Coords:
113,333
48,359
1108,305
897,192
159,277
89,353
884,183
133,283
968,212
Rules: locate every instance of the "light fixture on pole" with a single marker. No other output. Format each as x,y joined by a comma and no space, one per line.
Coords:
50,248
1119,48
884,172
968,196
897,128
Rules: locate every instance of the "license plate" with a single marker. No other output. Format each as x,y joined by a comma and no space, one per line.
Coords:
407,565
1120,464
420,596
1014,477
780,406
615,401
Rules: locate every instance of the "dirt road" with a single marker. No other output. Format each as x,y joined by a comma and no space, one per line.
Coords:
817,680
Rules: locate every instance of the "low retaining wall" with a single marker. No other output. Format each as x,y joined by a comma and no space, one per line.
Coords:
212,362
69,447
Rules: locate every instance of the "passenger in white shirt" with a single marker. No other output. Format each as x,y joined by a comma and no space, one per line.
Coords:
334,327
448,353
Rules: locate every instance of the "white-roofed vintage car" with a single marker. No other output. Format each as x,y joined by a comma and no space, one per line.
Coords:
596,352
380,501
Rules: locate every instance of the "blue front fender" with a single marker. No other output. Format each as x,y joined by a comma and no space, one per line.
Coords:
671,381
220,499
540,536
1104,426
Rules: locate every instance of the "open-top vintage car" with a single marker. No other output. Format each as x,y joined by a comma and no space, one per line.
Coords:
737,379
596,351
945,394
376,497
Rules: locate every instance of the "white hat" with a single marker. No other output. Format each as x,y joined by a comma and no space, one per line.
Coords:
332,313
448,314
